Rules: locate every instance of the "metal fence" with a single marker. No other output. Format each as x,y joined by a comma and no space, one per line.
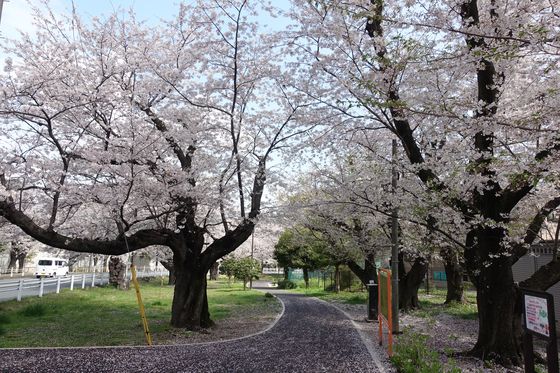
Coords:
29,287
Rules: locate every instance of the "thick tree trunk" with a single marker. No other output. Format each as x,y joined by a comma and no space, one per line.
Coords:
496,297
306,277
190,302
410,282
286,273
117,273
214,271
454,275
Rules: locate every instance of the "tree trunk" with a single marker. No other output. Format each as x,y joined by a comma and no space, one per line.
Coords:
13,259
306,277
190,302
492,275
286,273
214,271
410,282
21,260
337,278
454,275
368,273
168,264
117,272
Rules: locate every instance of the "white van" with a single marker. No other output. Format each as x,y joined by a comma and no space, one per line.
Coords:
51,267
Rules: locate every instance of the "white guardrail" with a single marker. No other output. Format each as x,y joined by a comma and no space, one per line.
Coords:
29,287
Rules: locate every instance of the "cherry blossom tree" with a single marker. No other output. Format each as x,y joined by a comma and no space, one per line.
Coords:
469,89
164,133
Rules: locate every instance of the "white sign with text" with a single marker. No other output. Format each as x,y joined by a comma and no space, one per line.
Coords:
536,315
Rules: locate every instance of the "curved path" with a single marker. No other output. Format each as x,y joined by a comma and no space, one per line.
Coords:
311,336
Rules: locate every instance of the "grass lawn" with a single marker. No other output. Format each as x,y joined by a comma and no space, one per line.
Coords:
431,304
104,316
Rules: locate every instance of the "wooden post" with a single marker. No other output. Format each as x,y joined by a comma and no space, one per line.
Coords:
141,306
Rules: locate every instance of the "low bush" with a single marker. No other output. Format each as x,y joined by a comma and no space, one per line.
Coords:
412,355
268,295
286,284
34,310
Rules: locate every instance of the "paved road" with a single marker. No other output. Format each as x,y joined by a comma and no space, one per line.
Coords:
311,336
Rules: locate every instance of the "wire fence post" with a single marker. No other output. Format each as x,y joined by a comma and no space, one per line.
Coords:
20,290
12,272
71,282
58,285
41,287
83,280
93,280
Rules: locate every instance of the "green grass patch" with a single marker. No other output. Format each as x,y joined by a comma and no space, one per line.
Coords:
430,304
350,297
34,310
433,304
104,316
413,355
4,319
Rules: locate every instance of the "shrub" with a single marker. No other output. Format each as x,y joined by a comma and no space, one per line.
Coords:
268,295
286,284
34,310
412,355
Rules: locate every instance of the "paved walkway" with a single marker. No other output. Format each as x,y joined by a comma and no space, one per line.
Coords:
311,336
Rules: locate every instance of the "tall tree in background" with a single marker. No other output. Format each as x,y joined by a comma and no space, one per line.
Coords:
164,132
299,248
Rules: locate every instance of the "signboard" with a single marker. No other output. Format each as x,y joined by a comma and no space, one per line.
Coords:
539,321
385,307
536,315
384,280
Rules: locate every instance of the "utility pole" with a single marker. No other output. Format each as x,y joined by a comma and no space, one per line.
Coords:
394,242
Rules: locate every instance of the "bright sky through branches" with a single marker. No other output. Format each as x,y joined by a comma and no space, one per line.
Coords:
17,14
